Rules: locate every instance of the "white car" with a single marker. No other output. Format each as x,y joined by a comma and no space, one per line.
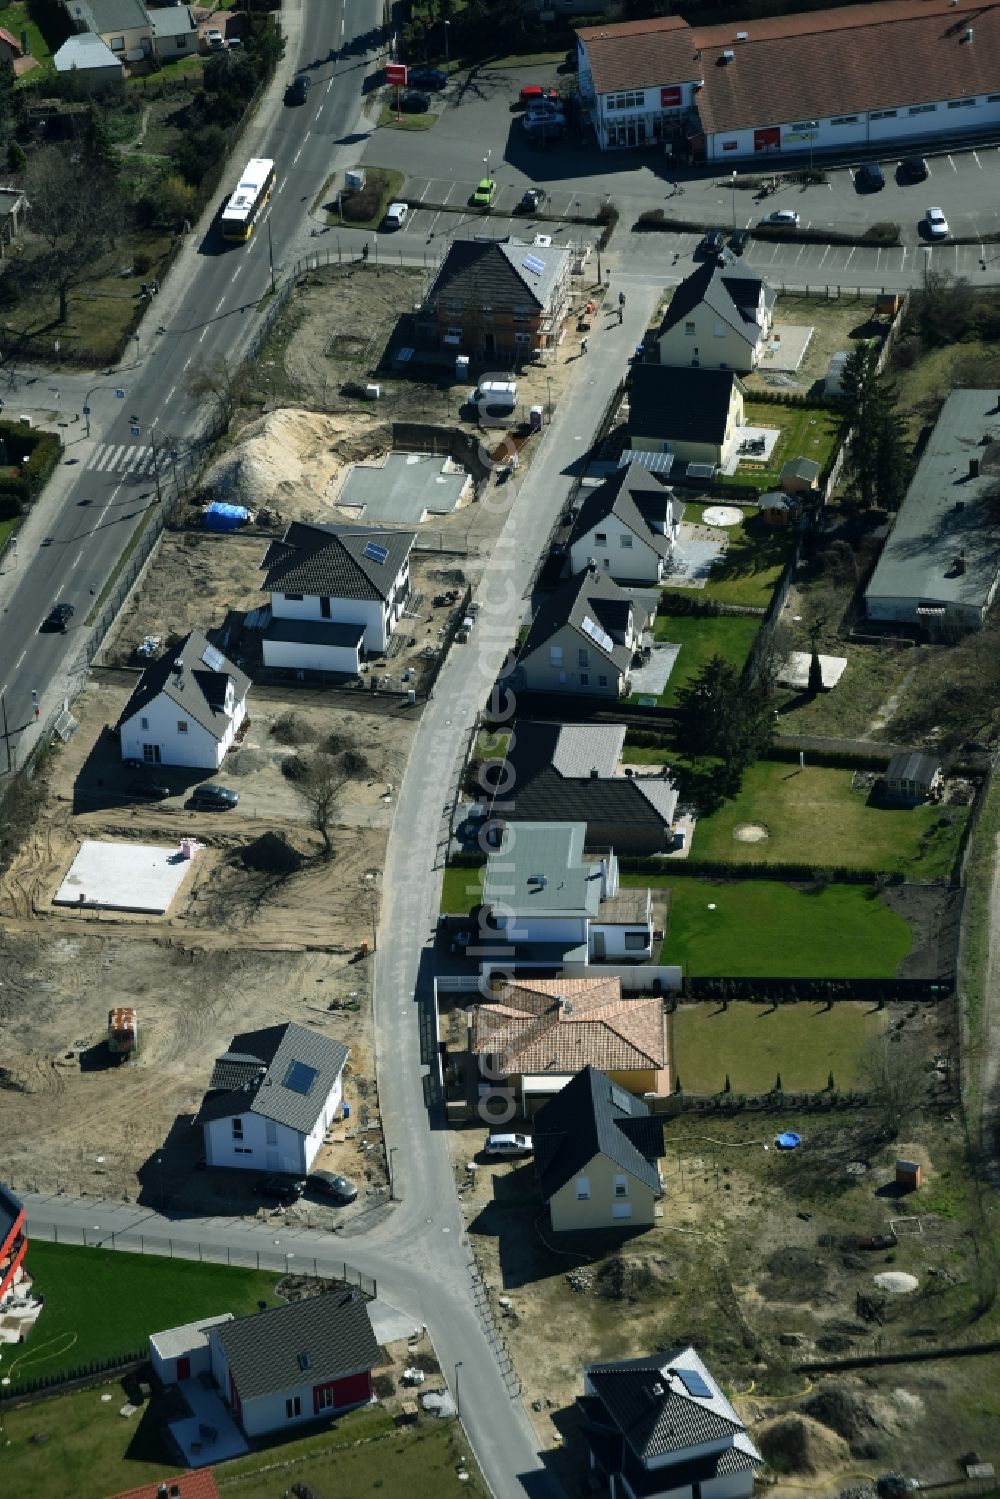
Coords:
937,224
509,1145
214,39
786,216
395,215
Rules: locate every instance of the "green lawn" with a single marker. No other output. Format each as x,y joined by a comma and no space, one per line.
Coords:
387,116
753,563
813,817
15,19
7,528
766,929
100,1303
80,1445
701,637
463,888
806,432
754,1043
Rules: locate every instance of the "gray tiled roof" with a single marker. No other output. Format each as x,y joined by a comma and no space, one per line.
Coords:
109,15
646,1400
314,632
198,689
638,499
252,1076
589,593
913,765
172,20
491,273
732,294
943,513
800,468
685,405
593,1116
333,1333
330,561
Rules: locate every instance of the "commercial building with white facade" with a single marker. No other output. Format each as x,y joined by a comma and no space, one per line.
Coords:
906,70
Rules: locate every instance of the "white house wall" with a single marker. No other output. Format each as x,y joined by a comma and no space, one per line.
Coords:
537,928
372,613
196,748
635,563
712,344
255,1151
311,656
906,123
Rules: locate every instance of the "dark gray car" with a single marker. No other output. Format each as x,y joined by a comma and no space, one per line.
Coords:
328,1184
214,798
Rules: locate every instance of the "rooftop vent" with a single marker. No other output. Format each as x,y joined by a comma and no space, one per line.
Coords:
729,55
968,34
303,1360
960,563
594,773
743,36
658,1390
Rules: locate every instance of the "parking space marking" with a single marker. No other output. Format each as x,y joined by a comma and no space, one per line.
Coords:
951,163
850,257
975,157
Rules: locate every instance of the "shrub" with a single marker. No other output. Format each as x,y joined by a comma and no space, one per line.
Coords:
10,503
142,262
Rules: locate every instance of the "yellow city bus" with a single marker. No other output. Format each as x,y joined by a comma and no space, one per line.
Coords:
254,189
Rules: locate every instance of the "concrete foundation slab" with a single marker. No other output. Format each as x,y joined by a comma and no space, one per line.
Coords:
124,877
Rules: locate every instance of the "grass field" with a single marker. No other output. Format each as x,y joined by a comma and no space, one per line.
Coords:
766,929
387,116
754,1043
754,561
99,1303
701,637
462,889
812,816
80,1445
806,432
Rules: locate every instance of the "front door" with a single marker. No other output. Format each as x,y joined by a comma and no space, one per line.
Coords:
183,1368
151,754
600,950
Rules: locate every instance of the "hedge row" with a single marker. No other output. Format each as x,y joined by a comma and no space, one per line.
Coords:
55,1382
42,450
732,869
813,991
831,759
656,221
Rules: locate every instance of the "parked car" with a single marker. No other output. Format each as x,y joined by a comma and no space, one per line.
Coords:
870,178
914,168
214,39
739,240
533,93
414,103
782,216
712,244
544,127
877,1241
545,112
151,791
297,91
532,200
485,192
395,215
58,618
284,1190
433,78
328,1184
509,1144
214,798
937,224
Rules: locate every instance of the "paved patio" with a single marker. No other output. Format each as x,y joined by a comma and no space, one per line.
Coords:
748,434
650,680
785,349
691,560
209,1414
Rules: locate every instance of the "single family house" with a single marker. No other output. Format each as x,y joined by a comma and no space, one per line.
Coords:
13,1241
544,904
695,414
556,772
272,1097
627,525
912,777
337,593
582,639
91,62
175,32
123,25
661,1427
719,318
535,1034
596,1149
186,708
493,296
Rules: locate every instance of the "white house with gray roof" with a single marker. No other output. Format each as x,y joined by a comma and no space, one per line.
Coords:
175,32
123,25
186,709
941,564
92,61
719,318
273,1095
582,638
627,526
337,594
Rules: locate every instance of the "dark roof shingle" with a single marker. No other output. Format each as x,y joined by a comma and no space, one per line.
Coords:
683,405
588,1118
638,499
197,688
491,274
333,561
255,1074
590,595
332,1333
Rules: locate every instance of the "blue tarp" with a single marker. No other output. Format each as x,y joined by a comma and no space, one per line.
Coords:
220,517
788,1140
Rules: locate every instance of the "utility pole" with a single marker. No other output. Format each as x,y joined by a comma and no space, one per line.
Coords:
6,731
270,252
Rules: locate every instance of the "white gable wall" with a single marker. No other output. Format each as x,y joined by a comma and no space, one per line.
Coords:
623,555
157,724
375,615
264,1146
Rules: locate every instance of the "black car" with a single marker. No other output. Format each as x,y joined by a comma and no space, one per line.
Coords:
151,791
433,78
329,1184
914,169
214,798
284,1190
870,178
532,201
58,617
413,103
297,91
739,240
713,244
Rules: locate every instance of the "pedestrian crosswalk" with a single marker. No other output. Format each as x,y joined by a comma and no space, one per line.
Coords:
122,458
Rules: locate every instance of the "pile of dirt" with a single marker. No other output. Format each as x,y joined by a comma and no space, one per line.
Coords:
293,729
291,460
798,1444
271,854
845,1411
630,1277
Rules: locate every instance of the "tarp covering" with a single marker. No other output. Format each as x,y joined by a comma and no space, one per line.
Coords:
219,517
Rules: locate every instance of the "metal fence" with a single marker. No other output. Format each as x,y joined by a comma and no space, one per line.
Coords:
132,1241
483,1300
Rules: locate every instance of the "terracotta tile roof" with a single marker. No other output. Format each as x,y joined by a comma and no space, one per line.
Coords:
531,1030
640,54
197,1484
825,64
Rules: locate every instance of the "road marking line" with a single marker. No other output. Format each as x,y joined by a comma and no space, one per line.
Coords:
170,392
296,156
19,660
952,164
77,560
218,305
187,361
977,161
202,335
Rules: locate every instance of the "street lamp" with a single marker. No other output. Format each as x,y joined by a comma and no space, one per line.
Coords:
458,1408
486,161
447,33
734,197
392,1174
270,251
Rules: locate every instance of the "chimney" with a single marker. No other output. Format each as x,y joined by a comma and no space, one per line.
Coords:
973,468
960,562
591,565
728,56
594,773
968,34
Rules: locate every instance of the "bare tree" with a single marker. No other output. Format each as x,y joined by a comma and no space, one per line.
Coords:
77,217
896,1076
220,381
320,789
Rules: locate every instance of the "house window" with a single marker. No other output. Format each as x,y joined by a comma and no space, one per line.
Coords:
625,541
962,103
293,1407
555,655
883,114
324,607
522,338
922,109
584,679
602,681
689,329
144,724
600,538
181,43
242,1150
583,1189
633,99
719,330
455,333
237,1128
730,145
294,598
636,941
844,120
583,657
990,99
621,1186
324,1399
621,1210
270,1132
117,44
182,726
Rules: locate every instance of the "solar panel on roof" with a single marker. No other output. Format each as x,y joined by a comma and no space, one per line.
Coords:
694,1383
533,264
656,463
300,1077
213,658
375,553
598,636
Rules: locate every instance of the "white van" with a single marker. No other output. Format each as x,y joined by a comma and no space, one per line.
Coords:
495,400
395,215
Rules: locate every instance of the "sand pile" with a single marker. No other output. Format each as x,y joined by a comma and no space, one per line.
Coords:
293,461
798,1444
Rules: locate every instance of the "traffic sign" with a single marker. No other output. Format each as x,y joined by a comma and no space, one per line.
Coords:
86,410
396,73
135,429
120,394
